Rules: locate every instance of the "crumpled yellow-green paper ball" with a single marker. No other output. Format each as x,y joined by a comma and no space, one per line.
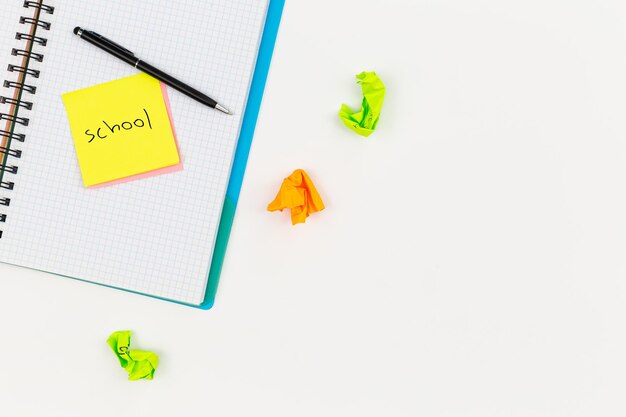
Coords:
138,363
364,121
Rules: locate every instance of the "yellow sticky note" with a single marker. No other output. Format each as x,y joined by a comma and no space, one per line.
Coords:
121,128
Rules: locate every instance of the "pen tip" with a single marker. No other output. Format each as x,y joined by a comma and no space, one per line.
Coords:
76,30
223,109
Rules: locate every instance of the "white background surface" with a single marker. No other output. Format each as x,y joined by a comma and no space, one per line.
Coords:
470,261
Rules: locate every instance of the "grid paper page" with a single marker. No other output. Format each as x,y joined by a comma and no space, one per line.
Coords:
156,235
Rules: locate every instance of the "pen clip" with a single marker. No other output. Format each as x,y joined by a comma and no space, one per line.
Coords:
113,44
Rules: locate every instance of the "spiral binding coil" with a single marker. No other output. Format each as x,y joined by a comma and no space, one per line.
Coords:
10,121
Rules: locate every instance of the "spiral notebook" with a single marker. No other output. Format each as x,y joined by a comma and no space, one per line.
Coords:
163,236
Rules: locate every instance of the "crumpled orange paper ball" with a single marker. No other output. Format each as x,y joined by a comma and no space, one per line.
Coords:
297,193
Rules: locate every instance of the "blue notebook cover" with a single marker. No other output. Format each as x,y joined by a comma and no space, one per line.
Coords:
255,97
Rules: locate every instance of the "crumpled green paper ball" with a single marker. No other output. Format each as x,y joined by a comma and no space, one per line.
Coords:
364,121
138,363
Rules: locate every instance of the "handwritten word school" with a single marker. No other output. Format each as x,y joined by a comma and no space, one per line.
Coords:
124,126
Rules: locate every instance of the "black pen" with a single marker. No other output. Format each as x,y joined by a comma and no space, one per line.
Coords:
130,58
